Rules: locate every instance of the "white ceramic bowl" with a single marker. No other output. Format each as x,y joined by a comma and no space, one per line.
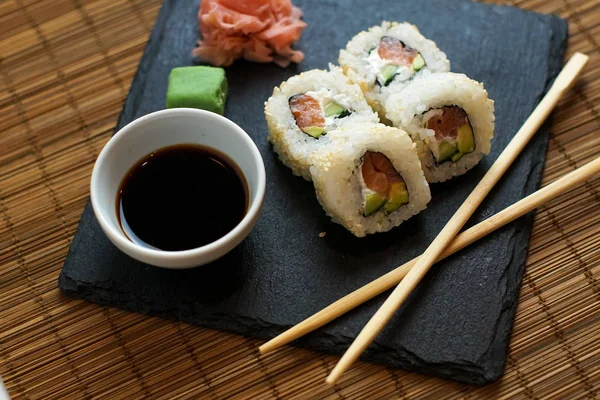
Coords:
165,128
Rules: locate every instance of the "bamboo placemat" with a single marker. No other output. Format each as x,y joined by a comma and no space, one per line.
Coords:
65,68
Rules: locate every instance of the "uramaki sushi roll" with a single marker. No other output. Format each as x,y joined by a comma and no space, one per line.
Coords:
450,118
369,179
304,110
385,58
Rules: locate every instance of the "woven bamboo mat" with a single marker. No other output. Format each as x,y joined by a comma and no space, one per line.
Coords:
65,68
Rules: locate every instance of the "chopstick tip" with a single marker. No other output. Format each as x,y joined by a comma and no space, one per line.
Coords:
577,61
335,373
264,349
580,58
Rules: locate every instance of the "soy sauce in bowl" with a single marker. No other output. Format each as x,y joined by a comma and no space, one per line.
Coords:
181,197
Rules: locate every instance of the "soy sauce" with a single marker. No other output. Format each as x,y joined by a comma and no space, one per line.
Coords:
181,197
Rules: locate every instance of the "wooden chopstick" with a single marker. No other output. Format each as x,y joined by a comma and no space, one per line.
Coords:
462,240
417,272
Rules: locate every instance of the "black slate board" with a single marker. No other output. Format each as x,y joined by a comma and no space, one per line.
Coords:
457,324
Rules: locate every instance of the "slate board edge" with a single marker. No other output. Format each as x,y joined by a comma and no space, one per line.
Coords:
459,372
138,82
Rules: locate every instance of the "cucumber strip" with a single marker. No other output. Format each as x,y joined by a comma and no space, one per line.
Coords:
445,151
314,131
388,72
418,63
373,203
333,108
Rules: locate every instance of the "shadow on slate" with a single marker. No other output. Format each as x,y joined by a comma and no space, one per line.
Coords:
457,324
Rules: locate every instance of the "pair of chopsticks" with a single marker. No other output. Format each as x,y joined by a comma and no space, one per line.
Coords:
447,242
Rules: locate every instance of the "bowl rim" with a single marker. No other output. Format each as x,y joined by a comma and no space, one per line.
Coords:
118,237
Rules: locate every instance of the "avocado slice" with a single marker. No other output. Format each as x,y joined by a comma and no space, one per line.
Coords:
457,156
314,131
398,197
418,62
445,151
333,108
388,73
466,142
373,203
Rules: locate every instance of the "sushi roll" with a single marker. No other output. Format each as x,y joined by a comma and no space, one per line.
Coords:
304,110
369,179
451,120
385,58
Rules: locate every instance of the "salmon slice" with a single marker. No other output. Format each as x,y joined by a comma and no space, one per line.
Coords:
394,50
387,186
379,173
446,123
307,112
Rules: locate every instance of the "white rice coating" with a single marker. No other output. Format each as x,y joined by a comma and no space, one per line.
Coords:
295,147
406,110
337,184
353,61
